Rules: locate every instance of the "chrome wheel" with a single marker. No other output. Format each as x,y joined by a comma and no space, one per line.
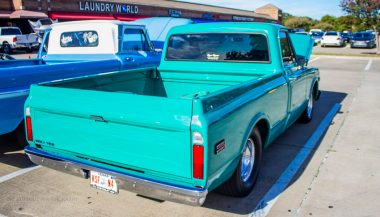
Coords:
248,160
310,106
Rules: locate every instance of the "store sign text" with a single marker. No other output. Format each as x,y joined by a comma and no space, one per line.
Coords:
237,18
108,7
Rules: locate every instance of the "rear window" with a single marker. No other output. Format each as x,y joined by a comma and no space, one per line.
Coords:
218,47
10,31
363,35
331,33
79,39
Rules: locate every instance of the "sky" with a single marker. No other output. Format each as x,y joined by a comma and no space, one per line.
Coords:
313,9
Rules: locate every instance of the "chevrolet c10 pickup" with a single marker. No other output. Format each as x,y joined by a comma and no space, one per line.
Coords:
72,49
198,122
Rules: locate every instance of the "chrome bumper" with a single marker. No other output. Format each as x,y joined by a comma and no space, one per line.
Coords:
162,191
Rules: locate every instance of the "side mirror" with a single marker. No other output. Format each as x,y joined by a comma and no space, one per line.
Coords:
152,46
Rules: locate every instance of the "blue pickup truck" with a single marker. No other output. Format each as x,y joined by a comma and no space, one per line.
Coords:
222,93
69,50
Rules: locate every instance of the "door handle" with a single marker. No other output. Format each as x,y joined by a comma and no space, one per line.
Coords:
292,79
129,59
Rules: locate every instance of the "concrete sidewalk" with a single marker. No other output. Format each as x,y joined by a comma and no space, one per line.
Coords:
347,180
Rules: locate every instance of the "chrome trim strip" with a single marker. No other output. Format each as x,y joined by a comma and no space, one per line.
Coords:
140,186
6,95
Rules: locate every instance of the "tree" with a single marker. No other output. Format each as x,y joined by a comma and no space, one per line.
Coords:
324,26
368,11
346,23
299,22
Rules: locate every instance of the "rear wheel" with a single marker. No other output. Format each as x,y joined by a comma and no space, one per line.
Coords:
245,175
6,48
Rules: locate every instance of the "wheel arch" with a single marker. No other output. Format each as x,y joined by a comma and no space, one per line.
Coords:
261,121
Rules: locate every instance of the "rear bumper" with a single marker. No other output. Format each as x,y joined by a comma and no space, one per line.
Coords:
162,191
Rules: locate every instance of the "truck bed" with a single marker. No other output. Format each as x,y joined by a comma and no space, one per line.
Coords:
148,82
143,116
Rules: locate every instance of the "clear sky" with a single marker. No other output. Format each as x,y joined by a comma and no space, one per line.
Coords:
310,8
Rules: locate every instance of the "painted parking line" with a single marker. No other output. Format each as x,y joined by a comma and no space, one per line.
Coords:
270,198
368,66
17,173
315,59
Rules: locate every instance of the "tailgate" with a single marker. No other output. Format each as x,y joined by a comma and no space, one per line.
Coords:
24,39
142,133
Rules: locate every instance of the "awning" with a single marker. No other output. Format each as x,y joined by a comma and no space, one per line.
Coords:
79,16
90,16
27,14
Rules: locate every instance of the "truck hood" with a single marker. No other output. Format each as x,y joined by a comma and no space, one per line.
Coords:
303,45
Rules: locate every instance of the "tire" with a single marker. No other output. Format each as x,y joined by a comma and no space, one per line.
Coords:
20,136
7,49
308,113
241,183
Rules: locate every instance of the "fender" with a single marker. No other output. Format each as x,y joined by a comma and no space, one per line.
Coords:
257,118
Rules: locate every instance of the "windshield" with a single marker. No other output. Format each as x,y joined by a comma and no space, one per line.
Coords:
10,31
331,33
46,22
317,33
218,47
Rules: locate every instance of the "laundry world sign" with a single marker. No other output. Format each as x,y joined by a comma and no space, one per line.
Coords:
108,7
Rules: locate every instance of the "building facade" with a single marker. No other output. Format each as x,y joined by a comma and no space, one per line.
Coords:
123,10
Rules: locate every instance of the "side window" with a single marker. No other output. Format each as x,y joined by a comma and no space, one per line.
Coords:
134,40
286,49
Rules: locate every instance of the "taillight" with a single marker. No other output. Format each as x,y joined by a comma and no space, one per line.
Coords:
198,161
29,129
14,39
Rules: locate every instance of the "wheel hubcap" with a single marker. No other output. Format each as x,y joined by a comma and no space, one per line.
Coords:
310,106
248,160
6,49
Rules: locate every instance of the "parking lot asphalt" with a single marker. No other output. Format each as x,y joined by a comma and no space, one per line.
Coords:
339,178
346,49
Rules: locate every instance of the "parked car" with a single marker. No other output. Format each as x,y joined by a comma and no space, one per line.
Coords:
347,36
222,93
316,36
73,49
315,30
332,39
12,39
363,39
41,26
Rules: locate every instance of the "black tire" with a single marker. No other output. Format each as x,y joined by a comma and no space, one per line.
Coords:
236,186
21,136
308,113
7,48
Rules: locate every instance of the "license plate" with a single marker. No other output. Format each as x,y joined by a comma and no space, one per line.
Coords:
104,182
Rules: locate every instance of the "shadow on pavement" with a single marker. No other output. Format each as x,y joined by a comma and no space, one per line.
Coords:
11,153
276,159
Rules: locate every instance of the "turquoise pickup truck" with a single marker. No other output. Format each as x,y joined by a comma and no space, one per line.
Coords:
222,93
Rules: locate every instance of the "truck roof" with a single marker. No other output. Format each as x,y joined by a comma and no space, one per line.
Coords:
94,22
229,27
